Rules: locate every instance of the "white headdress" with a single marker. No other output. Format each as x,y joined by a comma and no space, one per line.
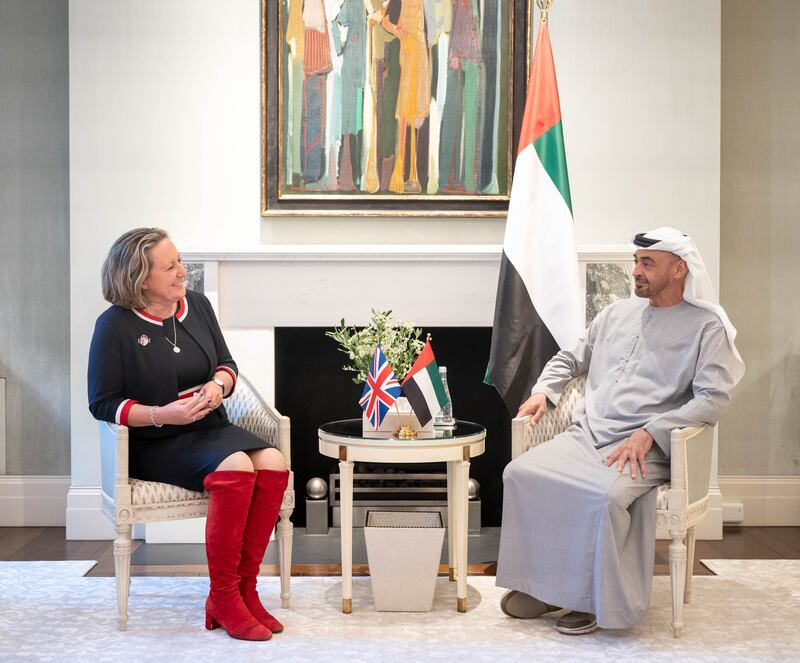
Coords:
698,289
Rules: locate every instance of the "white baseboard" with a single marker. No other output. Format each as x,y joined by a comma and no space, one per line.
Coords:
85,518
710,528
33,501
192,530
767,500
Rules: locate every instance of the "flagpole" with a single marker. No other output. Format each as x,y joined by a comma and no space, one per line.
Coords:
544,12
400,425
544,8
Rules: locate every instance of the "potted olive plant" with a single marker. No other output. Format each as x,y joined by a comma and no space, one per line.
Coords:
401,344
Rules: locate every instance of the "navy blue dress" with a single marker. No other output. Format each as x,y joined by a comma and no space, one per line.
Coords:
131,361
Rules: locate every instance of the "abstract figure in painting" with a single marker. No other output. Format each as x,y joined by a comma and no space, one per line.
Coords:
395,97
307,36
352,20
405,20
459,146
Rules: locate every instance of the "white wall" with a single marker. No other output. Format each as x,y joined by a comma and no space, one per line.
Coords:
639,82
164,130
640,98
164,117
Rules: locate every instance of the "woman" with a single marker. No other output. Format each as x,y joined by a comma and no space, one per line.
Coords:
158,364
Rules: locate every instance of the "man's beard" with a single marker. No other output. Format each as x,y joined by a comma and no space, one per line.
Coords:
641,289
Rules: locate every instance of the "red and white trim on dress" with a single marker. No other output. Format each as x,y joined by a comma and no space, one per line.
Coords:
124,408
186,393
183,310
149,318
180,314
229,370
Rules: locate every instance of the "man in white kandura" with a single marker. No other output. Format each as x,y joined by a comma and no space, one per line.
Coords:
579,511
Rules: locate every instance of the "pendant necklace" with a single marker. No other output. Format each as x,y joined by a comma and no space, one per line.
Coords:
174,344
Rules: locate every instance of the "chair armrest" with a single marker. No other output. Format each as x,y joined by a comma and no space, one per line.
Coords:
523,436
248,409
518,442
114,463
691,452
556,420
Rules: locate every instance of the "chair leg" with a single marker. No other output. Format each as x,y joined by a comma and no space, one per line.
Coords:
285,536
677,574
122,571
687,592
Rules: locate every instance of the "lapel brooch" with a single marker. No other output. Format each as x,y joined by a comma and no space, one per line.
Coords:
143,340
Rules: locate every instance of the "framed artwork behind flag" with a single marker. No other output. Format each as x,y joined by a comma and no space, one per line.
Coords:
369,104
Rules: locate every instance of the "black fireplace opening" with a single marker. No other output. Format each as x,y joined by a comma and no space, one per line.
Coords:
311,388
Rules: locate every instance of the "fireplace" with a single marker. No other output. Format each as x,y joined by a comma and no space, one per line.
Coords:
376,488
274,303
311,388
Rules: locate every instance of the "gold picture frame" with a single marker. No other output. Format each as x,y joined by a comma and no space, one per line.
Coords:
362,155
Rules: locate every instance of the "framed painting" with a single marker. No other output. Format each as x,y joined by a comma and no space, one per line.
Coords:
368,105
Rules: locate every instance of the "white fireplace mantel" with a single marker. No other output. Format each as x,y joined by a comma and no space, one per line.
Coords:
381,252
317,285
258,288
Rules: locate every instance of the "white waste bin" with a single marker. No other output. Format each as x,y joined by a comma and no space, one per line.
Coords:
403,550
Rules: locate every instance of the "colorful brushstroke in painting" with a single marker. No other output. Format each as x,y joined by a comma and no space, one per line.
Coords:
395,97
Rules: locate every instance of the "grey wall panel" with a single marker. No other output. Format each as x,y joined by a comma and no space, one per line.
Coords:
2,426
34,234
760,232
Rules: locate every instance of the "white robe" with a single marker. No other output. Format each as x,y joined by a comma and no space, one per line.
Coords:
576,533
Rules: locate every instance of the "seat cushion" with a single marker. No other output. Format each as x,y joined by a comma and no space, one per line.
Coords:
154,492
662,497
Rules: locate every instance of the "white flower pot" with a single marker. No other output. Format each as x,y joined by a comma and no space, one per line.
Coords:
392,421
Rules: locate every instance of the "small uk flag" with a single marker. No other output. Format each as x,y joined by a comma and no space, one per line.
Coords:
381,389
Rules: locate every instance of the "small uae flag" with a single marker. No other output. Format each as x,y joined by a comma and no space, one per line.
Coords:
423,387
538,306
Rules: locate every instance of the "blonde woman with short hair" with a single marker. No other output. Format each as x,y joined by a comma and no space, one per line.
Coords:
158,363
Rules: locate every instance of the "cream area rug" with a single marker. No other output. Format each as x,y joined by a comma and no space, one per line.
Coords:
49,612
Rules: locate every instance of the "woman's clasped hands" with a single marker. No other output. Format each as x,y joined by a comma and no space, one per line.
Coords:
186,410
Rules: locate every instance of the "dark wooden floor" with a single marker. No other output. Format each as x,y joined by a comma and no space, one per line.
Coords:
48,543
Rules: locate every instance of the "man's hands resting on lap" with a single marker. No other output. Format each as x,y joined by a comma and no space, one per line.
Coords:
632,450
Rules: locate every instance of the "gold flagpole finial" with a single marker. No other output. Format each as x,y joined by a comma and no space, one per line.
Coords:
544,8
429,337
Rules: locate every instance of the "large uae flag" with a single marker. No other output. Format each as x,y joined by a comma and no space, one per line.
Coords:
538,308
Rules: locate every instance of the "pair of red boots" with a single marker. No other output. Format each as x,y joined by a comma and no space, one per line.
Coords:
243,508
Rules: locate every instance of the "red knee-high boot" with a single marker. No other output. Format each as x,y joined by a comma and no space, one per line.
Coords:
230,493
264,509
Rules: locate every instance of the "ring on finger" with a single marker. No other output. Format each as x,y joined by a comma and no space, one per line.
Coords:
192,418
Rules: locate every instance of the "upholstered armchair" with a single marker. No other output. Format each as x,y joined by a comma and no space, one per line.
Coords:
129,501
681,504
